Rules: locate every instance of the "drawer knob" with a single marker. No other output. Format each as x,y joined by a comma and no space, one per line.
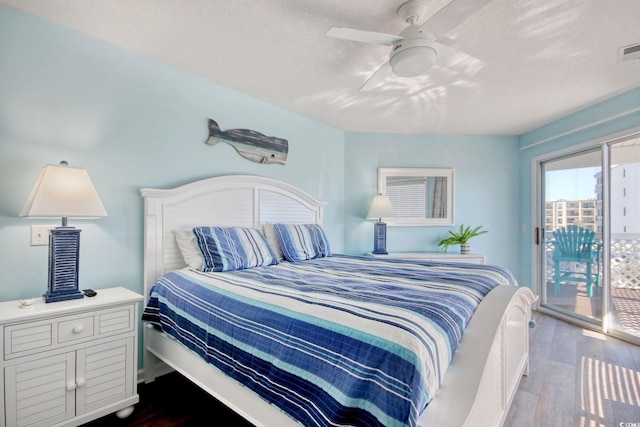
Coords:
80,382
78,329
71,386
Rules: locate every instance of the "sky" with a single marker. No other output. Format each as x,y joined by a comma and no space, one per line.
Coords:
571,184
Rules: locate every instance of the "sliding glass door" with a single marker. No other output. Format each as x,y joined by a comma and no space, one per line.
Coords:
571,235
589,236
624,237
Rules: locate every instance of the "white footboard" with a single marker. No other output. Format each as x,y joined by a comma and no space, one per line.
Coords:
486,369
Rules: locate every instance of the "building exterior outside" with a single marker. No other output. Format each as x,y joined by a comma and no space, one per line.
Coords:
625,199
560,213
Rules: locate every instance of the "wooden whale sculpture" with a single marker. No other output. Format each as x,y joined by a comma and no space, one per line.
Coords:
250,144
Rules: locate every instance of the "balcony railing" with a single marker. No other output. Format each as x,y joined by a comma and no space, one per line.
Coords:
624,264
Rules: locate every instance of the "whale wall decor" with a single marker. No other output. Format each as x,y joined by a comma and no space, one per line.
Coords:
250,144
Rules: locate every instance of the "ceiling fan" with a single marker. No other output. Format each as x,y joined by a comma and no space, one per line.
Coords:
419,47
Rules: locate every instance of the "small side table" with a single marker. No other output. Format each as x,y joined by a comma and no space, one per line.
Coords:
76,359
434,256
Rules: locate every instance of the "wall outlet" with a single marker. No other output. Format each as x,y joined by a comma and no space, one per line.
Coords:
40,234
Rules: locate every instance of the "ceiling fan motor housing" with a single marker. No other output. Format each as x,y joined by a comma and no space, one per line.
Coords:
413,57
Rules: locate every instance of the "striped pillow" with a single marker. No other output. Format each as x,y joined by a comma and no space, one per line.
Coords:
300,242
233,248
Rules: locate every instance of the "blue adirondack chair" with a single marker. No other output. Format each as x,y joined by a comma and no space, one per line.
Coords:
574,244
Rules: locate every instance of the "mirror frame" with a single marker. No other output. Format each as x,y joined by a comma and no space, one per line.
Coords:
384,173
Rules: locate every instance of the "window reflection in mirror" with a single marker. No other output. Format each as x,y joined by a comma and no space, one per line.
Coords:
420,196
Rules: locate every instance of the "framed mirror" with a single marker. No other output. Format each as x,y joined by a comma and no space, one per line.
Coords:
420,196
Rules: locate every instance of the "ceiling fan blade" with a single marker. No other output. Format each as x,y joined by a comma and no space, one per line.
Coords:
362,36
456,60
377,77
451,16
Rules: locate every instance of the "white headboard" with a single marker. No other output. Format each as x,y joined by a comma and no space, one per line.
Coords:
234,200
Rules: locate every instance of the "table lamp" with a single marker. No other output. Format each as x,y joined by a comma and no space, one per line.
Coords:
380,208
62,191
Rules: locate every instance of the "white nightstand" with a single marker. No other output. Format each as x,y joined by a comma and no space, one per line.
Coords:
67,363
435,256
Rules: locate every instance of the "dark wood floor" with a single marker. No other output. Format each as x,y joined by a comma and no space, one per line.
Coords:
173,401
578,378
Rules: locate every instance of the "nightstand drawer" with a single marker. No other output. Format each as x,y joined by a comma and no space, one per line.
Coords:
33,337
116,320
75,329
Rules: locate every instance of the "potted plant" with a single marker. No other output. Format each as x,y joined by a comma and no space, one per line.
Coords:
461,237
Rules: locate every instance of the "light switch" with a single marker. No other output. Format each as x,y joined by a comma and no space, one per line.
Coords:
40,234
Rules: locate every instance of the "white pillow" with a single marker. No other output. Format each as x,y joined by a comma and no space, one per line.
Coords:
270,234
188,245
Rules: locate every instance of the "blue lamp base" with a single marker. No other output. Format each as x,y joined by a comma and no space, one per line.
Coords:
64,250
380,238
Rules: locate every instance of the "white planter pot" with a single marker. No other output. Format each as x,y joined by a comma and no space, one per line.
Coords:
465,248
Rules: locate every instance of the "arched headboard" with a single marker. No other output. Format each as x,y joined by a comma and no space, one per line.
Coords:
233,200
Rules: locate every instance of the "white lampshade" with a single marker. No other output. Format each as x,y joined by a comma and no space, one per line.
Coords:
381,207
63,191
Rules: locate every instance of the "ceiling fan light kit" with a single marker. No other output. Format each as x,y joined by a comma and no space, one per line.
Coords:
412,58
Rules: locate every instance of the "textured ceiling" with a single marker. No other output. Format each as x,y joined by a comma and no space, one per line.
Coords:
542,59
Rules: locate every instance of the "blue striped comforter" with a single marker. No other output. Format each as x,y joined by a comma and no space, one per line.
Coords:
330,341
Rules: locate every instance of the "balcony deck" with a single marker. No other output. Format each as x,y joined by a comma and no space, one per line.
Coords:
625,301
625,287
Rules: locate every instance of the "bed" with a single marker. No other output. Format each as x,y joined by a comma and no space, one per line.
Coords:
476,388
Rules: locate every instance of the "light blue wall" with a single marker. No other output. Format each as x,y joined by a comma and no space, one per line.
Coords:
615,116
133,123
486,190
